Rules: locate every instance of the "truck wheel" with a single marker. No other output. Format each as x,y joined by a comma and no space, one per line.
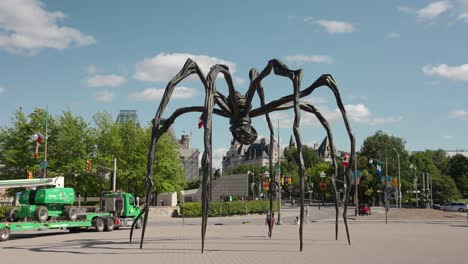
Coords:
99,224
109,224
138,224
71,213
10,214
41,214
4,234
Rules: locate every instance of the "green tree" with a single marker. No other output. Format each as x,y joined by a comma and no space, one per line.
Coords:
168,174
444,187
69,151
17,147
384,148
458,170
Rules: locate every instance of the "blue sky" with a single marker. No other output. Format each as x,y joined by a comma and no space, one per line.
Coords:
401,66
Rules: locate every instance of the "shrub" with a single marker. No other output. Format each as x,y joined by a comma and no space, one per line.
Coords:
194,209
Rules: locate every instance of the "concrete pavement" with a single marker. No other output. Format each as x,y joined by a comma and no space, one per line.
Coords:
372,242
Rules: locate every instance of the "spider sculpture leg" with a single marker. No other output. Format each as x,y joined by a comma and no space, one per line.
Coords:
311,109
254,74
324,80
297,135
295,76
189,68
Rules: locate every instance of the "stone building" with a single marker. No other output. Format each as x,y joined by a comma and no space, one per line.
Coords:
189,158
253,154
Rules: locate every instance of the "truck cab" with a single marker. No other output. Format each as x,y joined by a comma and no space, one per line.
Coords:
122,206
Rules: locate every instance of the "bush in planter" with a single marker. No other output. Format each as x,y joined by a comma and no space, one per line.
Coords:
193,209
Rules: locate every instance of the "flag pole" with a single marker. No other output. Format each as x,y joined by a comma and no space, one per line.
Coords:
45,147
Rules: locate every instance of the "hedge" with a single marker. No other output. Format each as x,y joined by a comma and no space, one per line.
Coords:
193,209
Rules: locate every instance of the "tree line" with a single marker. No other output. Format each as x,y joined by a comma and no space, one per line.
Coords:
449,174
72,142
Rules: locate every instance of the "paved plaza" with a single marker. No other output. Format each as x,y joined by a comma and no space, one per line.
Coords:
235,240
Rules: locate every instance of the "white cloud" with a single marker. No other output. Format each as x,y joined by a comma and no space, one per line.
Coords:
393,35
218,157
308,19
26,27
358,113
333,26
459,114
2,89
111,80
459,73
433,10
448,137
91,69
155,94
164,66
463,17
303,59
361,114
463,3
240,80
104,96
382,120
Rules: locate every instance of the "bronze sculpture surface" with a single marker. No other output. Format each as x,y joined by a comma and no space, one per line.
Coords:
238,108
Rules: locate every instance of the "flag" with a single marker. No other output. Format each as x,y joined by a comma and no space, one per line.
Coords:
38,138
345,161
379,168
200,121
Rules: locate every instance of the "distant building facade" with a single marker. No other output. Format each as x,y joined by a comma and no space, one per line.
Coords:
128,116
256,153
189,158
451,153
324,150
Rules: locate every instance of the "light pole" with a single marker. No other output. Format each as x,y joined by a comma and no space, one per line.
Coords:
399,182
415,184
322,178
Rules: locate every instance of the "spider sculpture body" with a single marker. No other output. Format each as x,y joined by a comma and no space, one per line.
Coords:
238,108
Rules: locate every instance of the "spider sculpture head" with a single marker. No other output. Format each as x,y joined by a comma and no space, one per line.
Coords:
241,127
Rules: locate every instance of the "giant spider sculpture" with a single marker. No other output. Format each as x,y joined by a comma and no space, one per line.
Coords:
238,109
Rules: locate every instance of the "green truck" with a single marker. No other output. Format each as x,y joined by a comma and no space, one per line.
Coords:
52,208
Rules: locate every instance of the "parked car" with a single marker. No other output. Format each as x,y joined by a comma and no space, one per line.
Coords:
364,209
460,207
